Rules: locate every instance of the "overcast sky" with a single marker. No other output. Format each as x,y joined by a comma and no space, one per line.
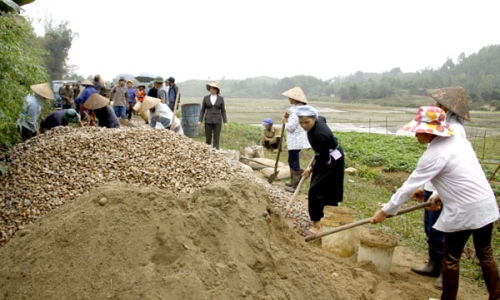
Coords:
200,39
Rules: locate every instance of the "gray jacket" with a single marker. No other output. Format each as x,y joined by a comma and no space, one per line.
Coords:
213,113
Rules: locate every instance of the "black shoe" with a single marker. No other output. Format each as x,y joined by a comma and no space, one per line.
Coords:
430,269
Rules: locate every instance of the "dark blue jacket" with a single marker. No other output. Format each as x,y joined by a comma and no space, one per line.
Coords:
87,92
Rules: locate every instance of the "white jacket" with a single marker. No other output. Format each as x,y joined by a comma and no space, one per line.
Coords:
452,166
459,130
296,137
161,110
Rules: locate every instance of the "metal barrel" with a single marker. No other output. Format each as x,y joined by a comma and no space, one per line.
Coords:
190,116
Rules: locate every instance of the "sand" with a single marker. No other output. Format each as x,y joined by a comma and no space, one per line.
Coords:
224,241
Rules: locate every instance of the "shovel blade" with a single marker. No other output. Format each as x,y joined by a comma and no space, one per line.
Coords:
273,176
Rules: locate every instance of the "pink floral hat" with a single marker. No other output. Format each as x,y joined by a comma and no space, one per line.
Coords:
430,119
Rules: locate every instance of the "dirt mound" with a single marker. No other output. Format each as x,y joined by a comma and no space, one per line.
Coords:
222,242
225,241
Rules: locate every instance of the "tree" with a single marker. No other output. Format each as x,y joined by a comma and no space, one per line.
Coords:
396,71
447,65
57,42
71,74
495,104
461,58
21,65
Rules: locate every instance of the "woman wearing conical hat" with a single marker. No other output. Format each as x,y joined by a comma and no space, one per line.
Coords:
296,137
104,113
88,90
469,204
213,110
28,118
453,101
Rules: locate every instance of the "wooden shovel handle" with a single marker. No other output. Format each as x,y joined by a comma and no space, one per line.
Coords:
364,221
175,105
297,190
257,162
279,148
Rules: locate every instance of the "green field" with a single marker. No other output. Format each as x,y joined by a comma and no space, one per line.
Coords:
361,115
483,131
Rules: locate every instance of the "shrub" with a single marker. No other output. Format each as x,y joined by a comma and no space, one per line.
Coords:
21,65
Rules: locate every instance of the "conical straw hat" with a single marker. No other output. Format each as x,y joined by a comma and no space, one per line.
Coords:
148,103
214,84
96,101
454,99
296,94
43,90
87,82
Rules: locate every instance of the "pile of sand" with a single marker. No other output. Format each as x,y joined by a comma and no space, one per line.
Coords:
225,241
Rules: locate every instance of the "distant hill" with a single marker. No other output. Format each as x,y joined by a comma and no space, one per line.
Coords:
478,73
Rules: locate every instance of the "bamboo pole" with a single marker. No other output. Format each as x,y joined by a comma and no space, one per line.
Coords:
172,124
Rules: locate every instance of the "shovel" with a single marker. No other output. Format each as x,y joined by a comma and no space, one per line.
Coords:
297,190
362,222
252,160
172,123
276,171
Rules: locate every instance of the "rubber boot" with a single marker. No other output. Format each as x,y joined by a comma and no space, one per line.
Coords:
295,181
289,183
438,284
430,269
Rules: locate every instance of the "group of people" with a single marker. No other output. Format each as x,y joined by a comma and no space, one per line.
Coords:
448,175
94,101
166,93
28,118
305,129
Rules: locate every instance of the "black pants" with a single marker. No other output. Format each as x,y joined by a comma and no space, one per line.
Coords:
435,238
294,159
272,146
130,111
215,128
327,188
454,244
27,134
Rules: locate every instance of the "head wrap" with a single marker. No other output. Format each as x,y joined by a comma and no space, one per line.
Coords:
306,111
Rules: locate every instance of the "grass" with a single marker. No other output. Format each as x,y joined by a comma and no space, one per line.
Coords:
384,162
